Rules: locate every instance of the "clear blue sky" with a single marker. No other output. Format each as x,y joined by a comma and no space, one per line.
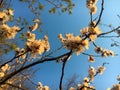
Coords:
49,73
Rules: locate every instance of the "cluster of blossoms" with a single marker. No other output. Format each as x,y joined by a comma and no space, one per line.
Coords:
37,46
84,86
92,72
86,81
20,52
41,87
6,31
79,43
3,69
33,46
74,43
115,87
91,4
91,32
104,52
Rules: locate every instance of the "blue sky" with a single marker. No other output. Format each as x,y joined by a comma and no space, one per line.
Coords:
49,73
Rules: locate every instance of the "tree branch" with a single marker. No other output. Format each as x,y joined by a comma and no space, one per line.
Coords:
109,32
63,69
101,12
52,3
4,79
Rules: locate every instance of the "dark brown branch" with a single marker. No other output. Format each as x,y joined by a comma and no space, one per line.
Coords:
61,78
86,87
91,55
94,44
109,36
101,12
91,18
63,69
4,79
109,32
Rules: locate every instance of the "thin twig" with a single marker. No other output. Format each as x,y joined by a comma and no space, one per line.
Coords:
53,3
109,36
54,51
94,44
29,79
18,87
108,32
91,55
13,59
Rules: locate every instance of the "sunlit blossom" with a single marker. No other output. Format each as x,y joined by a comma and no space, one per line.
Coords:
9,32
91,59
5,67
20,52
72,88
91,4
118,77
85,43
101,69
37,20
79,86
92,37
35,47
85,79
86,82
41,87
38,46
93,9
111,53
46,43
69,35
98,49
45,88
30,36
2,74
84,31
95,30
91,73
107,52
3,17
74,43
10,11
115,87
92,87
34,27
